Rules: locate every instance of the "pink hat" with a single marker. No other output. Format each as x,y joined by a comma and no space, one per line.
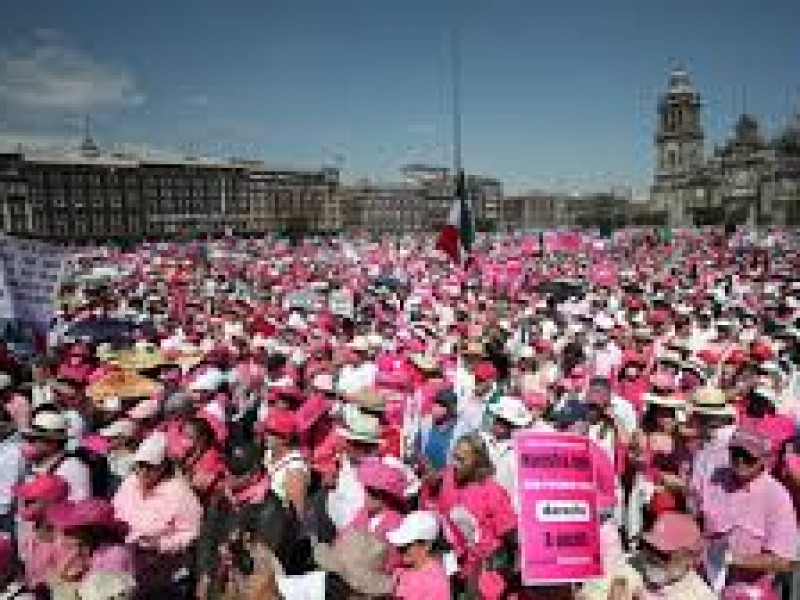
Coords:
96,444
485,371
662,381
278,422
377,475
45,486
673,532
534,399
91,512
752,440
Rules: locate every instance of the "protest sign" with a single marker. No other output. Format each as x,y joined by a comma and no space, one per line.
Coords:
33,272
558,522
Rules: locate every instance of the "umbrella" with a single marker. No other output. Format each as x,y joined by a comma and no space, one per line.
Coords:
109,329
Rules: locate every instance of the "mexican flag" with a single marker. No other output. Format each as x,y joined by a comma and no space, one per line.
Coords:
458,234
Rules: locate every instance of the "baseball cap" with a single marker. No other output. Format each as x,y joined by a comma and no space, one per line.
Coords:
418,526
752,441
673,532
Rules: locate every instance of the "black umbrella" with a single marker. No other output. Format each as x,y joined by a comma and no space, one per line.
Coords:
109,329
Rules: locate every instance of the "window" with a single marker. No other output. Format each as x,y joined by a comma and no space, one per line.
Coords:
671,158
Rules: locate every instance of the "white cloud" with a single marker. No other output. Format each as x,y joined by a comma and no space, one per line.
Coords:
10,141
55,77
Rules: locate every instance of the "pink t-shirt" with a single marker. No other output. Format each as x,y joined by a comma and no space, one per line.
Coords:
751,519
490,507
170,513
429,582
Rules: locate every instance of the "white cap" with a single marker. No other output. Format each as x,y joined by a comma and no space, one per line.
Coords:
418,526
512,410
323,382
153,450
120,428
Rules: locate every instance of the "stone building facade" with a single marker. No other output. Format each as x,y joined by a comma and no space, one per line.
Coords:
747,180
88,195
421,202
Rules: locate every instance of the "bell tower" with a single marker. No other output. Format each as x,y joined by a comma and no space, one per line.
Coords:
679,134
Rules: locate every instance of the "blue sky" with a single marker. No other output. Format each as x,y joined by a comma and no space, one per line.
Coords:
556,94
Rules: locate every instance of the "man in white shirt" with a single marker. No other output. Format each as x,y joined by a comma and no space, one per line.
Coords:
12,467
45,444
509,414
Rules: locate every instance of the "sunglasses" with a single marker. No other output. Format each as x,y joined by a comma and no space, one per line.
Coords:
743,456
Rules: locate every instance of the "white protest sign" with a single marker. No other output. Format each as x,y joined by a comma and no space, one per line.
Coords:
33,273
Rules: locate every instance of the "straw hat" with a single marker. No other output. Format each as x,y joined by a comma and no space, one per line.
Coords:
667,401
425,363
47,424
360,427
369,399
122,384
711,401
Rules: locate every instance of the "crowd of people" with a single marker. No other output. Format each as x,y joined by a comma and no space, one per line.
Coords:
333,418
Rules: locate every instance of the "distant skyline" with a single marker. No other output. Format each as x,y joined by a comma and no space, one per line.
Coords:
555,94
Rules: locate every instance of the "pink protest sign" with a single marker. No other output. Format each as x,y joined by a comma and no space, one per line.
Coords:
559,529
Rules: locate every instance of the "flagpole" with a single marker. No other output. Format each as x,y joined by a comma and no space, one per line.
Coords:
455,57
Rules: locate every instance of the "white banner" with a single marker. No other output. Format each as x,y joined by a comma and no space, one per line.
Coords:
33,272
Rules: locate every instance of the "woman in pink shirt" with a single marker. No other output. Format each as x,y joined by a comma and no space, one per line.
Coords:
422,574
384,502
38,550
89,539
478,511
163,515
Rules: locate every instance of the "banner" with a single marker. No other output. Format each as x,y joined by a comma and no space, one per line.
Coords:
559,529
33,272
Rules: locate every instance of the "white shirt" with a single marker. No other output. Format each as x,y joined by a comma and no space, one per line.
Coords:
12,468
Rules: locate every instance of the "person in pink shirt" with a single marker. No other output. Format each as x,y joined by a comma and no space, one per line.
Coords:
89,539
384,500
422,574
37,548
162,512
669,553
749,520
479,511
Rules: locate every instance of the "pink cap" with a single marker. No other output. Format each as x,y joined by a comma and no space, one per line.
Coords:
45,486
752,440
673,532
96,444
485,371
534,399
377,475
279,422
91,512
